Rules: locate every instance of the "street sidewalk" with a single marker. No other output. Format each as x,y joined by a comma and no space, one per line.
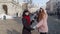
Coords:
56,18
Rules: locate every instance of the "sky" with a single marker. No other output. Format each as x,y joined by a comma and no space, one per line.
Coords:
39,2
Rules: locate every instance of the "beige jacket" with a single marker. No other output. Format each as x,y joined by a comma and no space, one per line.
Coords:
42,25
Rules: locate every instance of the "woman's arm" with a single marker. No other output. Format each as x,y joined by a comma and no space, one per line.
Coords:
39,24
25,24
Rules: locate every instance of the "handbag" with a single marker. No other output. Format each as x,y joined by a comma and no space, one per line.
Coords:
33,24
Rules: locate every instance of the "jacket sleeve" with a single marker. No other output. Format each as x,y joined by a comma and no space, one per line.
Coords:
39,24
25,24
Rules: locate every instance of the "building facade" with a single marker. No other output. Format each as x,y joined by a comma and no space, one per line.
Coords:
10,7
27,4
52,6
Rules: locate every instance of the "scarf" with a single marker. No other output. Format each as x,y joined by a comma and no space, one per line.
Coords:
28,19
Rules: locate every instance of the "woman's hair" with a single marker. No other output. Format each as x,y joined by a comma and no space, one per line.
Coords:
24,13
41,14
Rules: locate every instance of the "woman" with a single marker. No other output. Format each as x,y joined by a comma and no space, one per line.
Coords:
26,23
42,22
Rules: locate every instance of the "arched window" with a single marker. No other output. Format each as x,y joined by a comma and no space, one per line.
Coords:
5,9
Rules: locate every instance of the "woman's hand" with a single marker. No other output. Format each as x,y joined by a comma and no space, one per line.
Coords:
34,27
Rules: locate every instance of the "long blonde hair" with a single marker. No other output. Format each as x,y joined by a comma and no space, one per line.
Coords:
41,14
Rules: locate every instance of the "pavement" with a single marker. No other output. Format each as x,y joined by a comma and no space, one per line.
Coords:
10,27
54,25
56,18
14,26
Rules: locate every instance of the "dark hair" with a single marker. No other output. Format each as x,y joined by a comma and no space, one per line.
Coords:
40,8
24,13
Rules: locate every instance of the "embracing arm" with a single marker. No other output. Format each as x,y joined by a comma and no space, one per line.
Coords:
39,24
25,24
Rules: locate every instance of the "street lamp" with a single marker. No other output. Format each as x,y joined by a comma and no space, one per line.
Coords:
58,9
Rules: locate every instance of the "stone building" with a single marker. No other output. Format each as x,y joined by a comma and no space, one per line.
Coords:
10,7
27,4
52,6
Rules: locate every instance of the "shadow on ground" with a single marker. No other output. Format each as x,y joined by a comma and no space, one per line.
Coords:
13,32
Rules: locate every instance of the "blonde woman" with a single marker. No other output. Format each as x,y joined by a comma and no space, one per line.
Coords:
42,22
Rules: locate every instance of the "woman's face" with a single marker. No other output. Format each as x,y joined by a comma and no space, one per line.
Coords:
27,13
41,9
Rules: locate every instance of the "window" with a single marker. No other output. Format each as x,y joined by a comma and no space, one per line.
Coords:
5,8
